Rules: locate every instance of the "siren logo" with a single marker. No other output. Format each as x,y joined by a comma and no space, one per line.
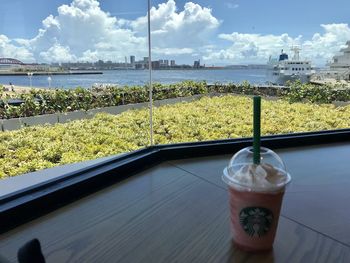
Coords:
256,220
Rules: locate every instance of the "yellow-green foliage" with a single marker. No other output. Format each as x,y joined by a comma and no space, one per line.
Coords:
38,147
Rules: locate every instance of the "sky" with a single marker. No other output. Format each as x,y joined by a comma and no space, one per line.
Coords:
221,32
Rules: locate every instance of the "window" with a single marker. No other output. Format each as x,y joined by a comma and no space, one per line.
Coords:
94,52
192,58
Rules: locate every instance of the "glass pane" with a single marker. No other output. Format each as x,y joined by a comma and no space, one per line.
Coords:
72,82
212,56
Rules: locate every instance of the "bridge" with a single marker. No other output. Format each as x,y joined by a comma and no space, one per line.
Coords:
10,61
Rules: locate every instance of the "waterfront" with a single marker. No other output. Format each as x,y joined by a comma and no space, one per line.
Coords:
140,77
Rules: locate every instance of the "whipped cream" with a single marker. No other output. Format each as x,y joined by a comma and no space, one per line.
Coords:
262,176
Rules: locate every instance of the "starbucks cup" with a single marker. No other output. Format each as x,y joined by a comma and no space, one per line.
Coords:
256,193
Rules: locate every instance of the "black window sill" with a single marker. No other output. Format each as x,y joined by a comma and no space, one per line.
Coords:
27,204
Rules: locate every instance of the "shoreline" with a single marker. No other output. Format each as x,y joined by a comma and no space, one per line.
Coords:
16,89
50,73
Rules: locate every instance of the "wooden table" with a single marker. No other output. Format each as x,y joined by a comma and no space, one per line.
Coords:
178,212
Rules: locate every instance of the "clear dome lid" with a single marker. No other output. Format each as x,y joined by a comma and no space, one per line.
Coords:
270,175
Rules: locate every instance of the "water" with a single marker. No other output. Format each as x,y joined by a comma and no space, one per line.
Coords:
141,77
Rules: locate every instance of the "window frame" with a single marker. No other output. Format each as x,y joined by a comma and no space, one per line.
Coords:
24,205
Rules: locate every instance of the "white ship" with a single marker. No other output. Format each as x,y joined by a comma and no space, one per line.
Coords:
339,68
291,69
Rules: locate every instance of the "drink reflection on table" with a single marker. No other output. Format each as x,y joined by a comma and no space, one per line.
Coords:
237,255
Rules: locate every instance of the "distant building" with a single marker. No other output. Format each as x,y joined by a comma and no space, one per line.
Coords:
172,63
197,63
164,63
145,59
155,64
99,63
140,66
132,61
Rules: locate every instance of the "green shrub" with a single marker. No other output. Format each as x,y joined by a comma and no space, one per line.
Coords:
38,147
316,93
45,102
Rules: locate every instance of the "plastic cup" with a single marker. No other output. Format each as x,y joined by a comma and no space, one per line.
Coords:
255,202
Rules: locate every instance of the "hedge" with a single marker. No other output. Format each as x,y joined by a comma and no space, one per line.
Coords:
34,148
39,102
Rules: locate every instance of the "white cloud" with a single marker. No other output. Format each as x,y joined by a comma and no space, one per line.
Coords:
251,47
58,53
256,48
231,5
83,31
192,27
172,51
11,49
323,46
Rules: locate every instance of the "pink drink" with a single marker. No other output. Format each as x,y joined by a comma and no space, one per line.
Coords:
256,192
254,218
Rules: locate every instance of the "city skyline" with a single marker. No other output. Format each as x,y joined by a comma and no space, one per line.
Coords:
220,33
11,64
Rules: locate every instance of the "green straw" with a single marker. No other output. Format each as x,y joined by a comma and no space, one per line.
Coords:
256,136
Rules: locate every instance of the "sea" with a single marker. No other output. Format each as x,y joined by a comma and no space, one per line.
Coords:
140,77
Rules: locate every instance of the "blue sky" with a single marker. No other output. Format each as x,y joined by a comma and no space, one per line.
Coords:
219,32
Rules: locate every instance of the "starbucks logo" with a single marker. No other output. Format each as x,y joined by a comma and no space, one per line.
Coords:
255,220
